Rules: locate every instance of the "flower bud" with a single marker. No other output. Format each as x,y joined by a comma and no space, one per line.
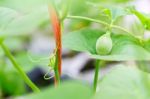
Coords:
104,44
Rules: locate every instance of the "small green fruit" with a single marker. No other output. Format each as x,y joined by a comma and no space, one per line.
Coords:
104,44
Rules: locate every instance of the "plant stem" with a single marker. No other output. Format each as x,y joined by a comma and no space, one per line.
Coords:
97,66
57,79
100,22
19,69
88,19
56,70
56,23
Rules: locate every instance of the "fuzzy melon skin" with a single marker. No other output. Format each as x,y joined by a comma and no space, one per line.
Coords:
104,44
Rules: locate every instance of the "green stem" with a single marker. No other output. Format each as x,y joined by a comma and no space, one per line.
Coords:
97,67
57,76
100,22
56,70
88,19
65,9
19,69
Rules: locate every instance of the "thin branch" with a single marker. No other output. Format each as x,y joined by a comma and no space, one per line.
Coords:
19,69
88,19
100,22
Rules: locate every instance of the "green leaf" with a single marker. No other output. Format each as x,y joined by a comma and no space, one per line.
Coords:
82,40
6,15
124,83
114,1
147,44
67,90
78,7
23,5
143,65
10,80
24,61
144,18
1,52
113,12
125,47
14,23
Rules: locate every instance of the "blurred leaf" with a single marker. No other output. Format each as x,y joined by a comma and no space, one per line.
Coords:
1,52
137,28
113,1
0,93
124,46
109,12
78,7
23,5
67,90
117,12
15,23
82,40
113,12
124,83
7,15
145,19
147,44
29,61
10,80
25,62
15,43
143,65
